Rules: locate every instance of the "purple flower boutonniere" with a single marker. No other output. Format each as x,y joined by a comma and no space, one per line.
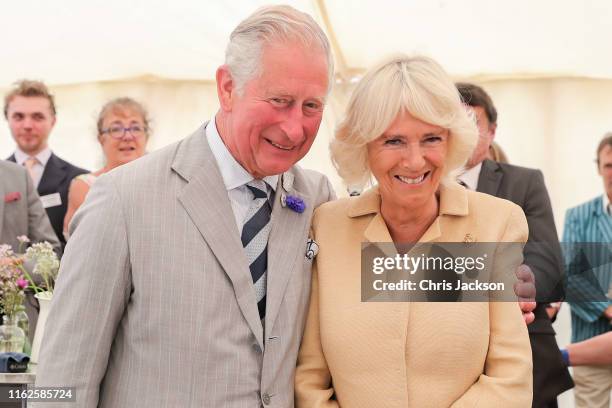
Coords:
294,203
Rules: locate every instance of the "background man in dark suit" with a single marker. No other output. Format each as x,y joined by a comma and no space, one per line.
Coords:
525,187
30,111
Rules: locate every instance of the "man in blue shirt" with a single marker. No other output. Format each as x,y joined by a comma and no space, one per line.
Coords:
590,286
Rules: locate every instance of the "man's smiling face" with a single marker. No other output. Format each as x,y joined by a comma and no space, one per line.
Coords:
274,120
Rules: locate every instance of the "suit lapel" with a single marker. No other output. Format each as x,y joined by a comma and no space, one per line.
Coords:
377,234
286,244
376,231
53,176
490,178
206,201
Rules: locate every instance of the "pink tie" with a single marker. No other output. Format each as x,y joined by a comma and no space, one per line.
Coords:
29,165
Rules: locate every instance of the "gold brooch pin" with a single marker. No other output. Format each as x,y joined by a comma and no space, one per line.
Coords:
468,239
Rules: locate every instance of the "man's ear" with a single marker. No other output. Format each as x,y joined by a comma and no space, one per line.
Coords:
598,167
492,130
226,88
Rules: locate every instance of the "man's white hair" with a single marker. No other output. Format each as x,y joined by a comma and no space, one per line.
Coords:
267,25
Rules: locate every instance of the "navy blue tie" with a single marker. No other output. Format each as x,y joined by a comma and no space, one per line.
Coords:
255,232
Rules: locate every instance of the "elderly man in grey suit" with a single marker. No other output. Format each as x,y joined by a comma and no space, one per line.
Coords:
185,282
22,213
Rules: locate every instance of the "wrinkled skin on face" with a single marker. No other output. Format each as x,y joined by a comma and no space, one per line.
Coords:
408,162
130,146
272,123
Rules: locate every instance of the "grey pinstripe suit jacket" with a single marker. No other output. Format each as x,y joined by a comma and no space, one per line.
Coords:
154,305
25,214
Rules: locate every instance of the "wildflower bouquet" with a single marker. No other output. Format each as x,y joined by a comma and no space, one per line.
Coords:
41,256
46,264
12,281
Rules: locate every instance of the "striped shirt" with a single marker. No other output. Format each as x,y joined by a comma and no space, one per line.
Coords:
588,224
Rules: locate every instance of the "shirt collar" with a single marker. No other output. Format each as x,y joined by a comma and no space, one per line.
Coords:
42,156
470,176
233,174
453,201
606,204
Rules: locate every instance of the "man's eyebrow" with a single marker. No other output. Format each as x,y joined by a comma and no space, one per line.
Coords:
277,92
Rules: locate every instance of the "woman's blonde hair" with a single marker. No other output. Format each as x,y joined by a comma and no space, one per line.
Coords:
121,105
414,84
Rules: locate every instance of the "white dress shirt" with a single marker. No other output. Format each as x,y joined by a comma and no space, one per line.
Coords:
38,169
235,177
470,177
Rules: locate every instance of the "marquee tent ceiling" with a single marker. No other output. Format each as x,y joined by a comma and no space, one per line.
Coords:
75,41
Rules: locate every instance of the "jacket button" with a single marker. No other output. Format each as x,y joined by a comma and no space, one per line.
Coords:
265,398
256,348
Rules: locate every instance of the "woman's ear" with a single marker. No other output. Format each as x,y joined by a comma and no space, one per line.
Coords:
492,130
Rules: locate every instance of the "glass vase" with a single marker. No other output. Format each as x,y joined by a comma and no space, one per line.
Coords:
12,337
23,321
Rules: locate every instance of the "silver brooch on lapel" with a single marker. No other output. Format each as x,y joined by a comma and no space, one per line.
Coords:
469,239
312,249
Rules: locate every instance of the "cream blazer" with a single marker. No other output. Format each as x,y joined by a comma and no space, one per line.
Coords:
410,354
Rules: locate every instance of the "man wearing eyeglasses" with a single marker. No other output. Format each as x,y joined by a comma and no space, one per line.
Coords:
30,111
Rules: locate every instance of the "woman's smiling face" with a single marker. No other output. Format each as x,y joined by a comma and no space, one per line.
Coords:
408,161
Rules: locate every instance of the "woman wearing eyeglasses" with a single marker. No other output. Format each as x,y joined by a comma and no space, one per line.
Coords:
123,132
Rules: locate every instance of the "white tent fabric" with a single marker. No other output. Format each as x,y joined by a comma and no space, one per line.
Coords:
480,38
76,41
547,64
99,40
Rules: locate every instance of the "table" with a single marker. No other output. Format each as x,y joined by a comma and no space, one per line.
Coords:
14,380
